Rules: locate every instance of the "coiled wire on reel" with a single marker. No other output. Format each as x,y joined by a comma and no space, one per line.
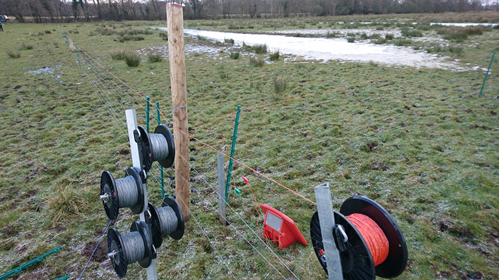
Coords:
128,248
155,147
164,221
121,193
374,244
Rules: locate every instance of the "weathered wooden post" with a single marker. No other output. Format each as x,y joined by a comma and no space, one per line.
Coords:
175,24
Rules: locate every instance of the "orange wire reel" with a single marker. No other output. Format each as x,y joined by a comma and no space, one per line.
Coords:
368,240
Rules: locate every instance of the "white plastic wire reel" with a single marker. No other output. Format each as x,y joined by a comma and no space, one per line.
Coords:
140,244
158,146
123,192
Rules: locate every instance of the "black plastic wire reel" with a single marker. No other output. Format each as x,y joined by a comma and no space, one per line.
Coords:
155,147
164,221
123,192
128,248
356,260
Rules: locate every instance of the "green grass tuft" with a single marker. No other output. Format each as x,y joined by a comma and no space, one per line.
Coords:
256,61
132,59
234,55
163,35
25,46
260,49
13,54
154,57
274,56
117,55
279,84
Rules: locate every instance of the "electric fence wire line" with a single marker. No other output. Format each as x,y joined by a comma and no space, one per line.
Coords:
302,96
202,229
205,144
109,106
96,74
110,109
257,235
104,233
103,76
259,107
209,241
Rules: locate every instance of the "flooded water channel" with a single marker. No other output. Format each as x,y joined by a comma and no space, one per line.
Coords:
330,49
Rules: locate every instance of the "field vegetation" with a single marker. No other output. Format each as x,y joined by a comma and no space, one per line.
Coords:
418,141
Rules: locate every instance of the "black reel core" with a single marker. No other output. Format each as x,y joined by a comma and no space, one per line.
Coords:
396,261
356,261
146,148
109,189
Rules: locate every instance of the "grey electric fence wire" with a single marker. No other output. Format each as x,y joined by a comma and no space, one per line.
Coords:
100,77
247,241
167,214
160,146
104,233
127,189
109,109
223,198
133,246
113,80
137,250
107,104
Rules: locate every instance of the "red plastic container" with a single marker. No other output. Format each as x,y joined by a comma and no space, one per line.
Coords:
279,228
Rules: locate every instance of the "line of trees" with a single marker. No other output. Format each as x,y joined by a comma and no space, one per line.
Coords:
87,10
83,10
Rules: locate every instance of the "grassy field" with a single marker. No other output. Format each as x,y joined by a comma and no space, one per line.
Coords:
422,144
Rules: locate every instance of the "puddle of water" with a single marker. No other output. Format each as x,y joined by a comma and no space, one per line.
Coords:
330,49
44,70
465,24
343,32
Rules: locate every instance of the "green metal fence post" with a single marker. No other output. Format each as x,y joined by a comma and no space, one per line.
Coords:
161,174
67,41
485,79
147,114
20,268
78,54
234,137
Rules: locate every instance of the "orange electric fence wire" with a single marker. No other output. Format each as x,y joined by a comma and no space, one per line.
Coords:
236,160
223,139
373,236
